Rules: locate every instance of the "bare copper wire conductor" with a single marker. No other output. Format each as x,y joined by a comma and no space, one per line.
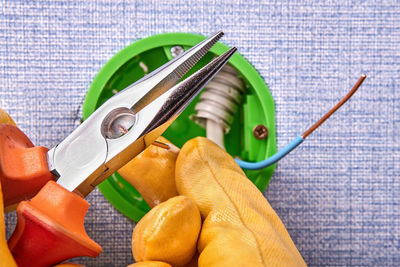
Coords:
161,144
336,107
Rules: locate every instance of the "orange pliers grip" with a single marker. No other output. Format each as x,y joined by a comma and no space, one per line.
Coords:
23,167
50,228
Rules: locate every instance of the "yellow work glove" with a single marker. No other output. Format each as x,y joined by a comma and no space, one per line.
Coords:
5,118
152,173
149,264
236,215
168,232
239,226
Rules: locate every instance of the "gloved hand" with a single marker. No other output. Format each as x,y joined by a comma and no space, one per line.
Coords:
239,226
152,173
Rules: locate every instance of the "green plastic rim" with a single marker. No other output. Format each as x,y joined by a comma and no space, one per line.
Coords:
144,56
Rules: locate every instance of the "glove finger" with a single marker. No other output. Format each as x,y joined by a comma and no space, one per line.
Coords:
168,232
240,227
5,118
156,185
149,264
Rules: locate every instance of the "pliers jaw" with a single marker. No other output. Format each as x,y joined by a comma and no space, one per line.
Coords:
131,120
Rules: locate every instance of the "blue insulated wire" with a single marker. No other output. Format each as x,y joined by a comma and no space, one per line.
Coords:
274,158
299,139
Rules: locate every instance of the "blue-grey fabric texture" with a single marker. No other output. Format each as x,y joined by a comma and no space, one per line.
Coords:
338,193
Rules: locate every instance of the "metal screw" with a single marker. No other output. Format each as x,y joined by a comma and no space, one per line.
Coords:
177,50
260,132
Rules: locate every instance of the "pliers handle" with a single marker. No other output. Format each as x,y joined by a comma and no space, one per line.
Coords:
23,167
53,218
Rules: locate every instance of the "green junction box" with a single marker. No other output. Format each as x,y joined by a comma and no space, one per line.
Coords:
146,55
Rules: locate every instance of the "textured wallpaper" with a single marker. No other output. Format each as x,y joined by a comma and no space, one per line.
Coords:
338,193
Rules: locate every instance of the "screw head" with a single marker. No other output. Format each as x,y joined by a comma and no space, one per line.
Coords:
260,132
177,50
